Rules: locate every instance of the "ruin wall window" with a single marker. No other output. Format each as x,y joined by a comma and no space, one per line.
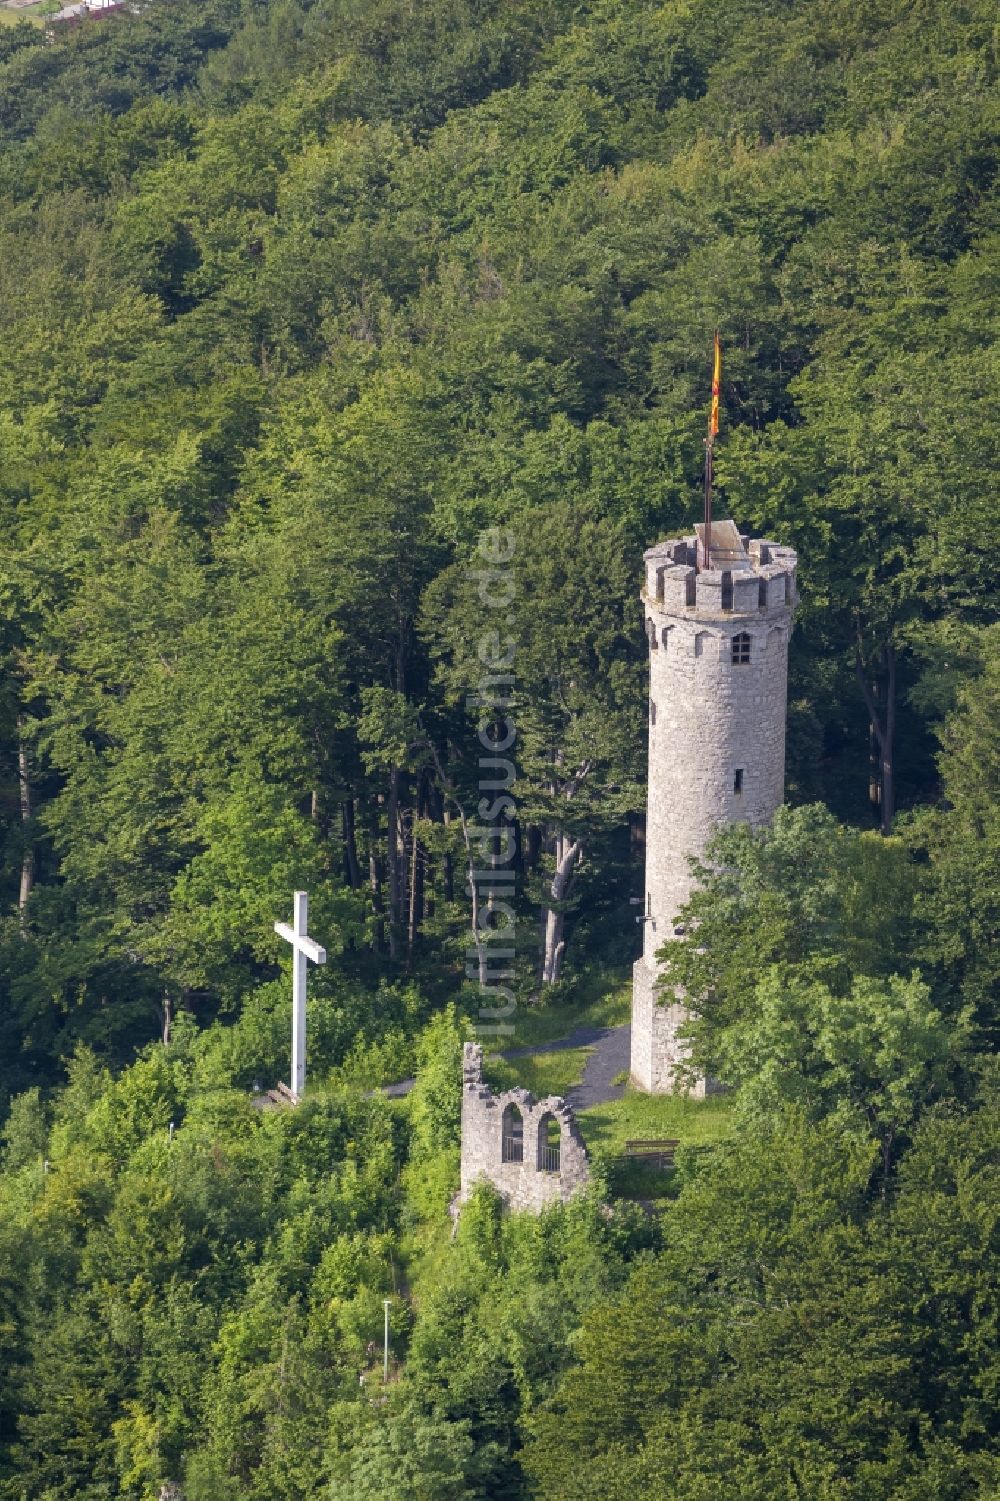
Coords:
512,1135
549,1143
741,649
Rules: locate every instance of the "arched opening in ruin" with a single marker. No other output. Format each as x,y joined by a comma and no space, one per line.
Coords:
549,1142
512,1135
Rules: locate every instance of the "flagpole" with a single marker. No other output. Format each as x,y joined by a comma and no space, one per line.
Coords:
708,501
713,428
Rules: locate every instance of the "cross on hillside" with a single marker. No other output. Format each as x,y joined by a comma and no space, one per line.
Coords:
303,949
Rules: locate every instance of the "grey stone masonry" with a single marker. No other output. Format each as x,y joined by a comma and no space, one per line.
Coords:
718,674
530,1150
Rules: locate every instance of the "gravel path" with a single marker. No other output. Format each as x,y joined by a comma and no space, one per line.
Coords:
611,1056
583,1037
395,1091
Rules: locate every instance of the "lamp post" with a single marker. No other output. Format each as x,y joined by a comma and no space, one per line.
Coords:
386,1304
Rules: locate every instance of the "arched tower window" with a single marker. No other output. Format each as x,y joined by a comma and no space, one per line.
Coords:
651,635
549,1141
512,1136
741,649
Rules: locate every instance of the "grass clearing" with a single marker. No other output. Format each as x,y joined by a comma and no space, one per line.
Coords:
606,1128
542,1073
600,1000
35,14
690,1122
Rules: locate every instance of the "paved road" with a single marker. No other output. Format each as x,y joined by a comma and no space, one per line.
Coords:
610,1056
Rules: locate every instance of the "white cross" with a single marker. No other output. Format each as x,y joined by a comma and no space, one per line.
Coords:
303,948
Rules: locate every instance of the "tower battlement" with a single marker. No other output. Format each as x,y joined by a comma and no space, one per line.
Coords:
762,582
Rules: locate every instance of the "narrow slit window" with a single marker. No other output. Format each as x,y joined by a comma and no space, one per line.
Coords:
741,649
738,782
652,712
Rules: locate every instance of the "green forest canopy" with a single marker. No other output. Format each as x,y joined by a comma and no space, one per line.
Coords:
297,301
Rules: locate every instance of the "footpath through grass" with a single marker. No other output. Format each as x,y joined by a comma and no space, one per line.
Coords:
596,1001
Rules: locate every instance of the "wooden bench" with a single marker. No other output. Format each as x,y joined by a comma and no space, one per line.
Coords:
655,1153
279,1098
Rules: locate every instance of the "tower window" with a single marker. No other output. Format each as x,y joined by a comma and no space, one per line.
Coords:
652,712
738,782
741,649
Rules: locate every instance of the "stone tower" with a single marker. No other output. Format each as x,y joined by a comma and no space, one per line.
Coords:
718,674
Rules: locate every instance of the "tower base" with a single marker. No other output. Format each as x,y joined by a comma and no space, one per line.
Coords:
657,1047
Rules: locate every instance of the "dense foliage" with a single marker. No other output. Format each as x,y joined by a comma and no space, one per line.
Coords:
306,310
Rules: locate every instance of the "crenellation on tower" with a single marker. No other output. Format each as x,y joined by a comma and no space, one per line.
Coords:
718,638
673,581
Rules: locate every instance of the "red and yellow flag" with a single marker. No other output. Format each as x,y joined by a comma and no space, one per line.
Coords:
713,420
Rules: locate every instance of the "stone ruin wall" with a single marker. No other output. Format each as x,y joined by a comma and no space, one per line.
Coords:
523,1185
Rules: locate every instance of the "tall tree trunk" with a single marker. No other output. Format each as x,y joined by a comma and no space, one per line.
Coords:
351,866
28,856
375,882
480,939
428,887
411,915
396,853
448,864
416,873
393,860
883,725
567,855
